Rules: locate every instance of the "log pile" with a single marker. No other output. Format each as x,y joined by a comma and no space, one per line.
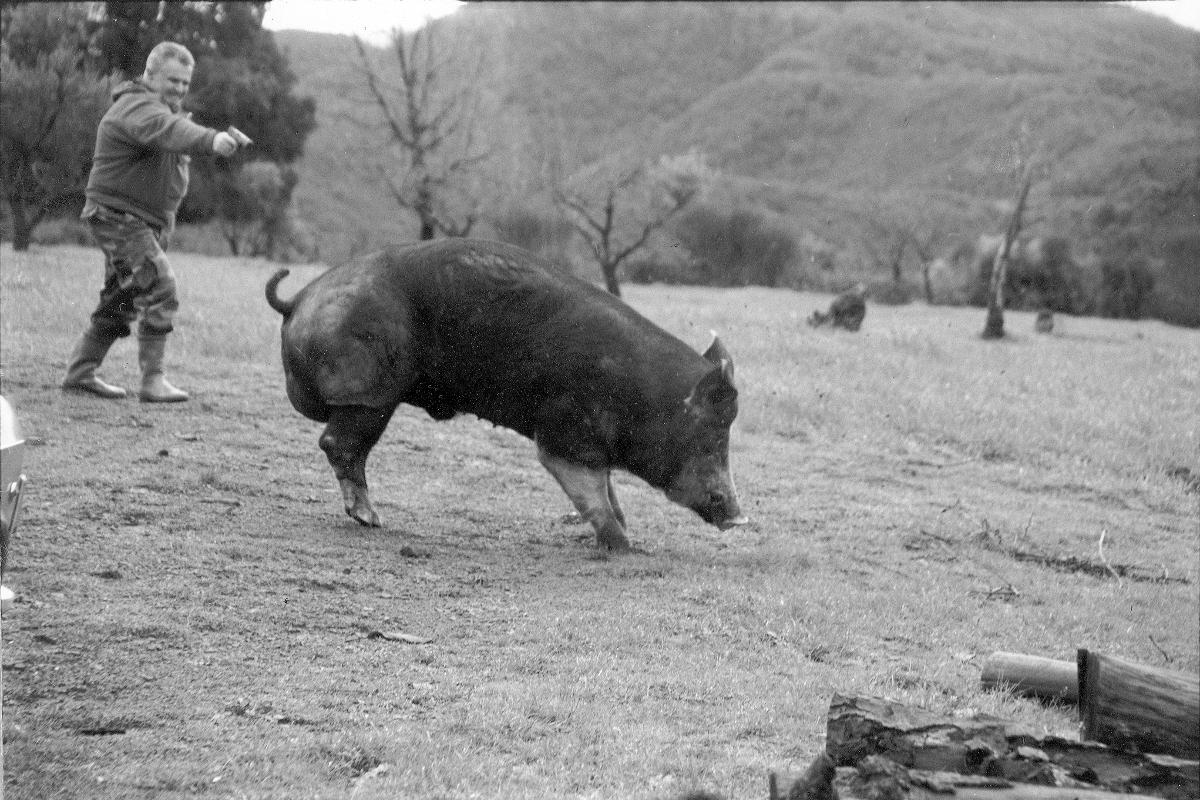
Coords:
1141,739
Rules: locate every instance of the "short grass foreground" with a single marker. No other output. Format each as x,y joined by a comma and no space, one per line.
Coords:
195,614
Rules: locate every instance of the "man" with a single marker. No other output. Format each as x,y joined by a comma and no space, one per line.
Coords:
139,177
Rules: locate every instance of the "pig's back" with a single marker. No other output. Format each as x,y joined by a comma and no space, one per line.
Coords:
502,334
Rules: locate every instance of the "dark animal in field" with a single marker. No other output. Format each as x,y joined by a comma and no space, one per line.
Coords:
846,311
465,326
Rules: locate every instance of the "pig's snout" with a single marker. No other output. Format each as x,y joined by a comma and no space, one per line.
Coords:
721,509
733,522
705,485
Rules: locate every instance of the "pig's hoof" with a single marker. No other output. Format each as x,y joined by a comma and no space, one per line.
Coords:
614,546
365,517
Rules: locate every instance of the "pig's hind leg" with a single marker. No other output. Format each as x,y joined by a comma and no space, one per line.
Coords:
347,441
592,493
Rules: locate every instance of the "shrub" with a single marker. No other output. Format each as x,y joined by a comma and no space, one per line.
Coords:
1176,294
205,239
892,293
1041,274
545,233
67,230
662,265
738,247
1124,290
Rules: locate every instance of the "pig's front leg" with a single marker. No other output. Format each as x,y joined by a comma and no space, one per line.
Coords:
347,441
591,492
612,500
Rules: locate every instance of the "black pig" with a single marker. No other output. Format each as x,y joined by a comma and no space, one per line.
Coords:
477,327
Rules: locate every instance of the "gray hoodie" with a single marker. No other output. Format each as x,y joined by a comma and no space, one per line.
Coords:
141,160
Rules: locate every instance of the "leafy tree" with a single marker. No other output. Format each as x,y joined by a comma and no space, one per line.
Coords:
429,118
617,214
49,108
127,31
29,30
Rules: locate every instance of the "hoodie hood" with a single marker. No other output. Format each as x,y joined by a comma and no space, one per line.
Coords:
128,87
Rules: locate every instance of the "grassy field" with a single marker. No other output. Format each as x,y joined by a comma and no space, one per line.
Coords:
197,617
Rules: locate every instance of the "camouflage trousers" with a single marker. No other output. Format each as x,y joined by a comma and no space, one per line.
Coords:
138,281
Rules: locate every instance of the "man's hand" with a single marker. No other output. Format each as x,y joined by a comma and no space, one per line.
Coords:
224,144
242,139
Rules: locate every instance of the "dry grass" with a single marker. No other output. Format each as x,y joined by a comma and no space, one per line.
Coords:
185,575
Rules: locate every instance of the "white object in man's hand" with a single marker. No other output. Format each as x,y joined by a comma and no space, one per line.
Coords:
224,144
242,139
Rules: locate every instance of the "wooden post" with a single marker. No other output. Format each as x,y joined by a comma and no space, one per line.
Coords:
1032,676
1133,706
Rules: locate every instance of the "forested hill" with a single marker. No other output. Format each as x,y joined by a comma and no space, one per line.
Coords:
825,114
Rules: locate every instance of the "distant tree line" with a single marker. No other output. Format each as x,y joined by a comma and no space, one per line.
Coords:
709,244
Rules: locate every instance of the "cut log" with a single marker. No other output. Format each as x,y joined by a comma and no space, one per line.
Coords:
986,747
1032,676
1137,707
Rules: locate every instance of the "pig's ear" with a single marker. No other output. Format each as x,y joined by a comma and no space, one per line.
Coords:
717,354
715,396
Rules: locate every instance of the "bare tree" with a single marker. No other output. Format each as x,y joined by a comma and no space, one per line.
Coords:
926,243
1019,159
889,239
616,217
429,116
993,327
896,236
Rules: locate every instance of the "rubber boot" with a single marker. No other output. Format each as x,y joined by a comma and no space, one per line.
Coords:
85,359
155,388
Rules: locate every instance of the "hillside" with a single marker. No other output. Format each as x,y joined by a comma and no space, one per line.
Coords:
822,114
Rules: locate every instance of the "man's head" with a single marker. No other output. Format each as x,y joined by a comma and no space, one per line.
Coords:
169,72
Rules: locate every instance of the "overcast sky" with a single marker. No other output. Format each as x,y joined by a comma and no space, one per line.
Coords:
1185,12
372,20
